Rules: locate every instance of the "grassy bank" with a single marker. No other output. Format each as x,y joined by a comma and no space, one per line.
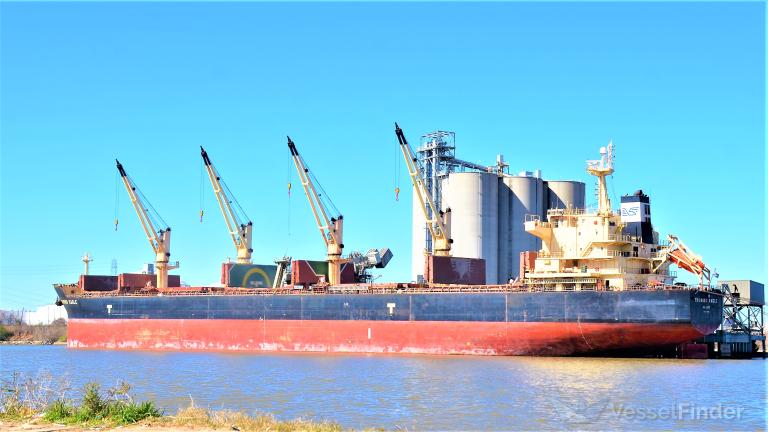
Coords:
45,400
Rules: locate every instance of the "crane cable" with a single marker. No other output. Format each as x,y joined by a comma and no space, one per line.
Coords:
398,162
152,214
202,195
117,199
322,195
288,218
237,209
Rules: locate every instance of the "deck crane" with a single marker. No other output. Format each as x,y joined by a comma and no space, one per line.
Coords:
438,222
241,233
159,240
330,228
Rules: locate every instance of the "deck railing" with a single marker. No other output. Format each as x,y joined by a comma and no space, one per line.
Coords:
565,211
530,285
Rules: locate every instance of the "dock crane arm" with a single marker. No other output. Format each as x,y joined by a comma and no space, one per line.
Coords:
159,240
331,228
439,222
241,233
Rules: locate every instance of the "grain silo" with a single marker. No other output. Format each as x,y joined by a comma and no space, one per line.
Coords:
564,194
504,239
526,197
473,200
488,207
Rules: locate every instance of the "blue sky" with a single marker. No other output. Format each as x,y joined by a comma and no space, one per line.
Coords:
679,87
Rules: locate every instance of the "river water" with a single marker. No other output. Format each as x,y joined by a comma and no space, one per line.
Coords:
428,392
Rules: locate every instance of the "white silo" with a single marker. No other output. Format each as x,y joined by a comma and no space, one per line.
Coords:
504,241
565,193
473,200
526,197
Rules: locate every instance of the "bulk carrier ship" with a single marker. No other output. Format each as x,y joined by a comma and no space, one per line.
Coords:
600,283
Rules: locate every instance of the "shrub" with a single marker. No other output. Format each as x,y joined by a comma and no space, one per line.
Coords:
11,400
58,412
93,406
5,334
116,407
134,412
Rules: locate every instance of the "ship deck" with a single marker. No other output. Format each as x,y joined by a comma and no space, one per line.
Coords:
387,288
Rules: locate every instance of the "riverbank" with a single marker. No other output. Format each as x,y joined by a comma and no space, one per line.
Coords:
41,404
41,334
191,418
32,342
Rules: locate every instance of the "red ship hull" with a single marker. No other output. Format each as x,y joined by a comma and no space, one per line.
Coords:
343,336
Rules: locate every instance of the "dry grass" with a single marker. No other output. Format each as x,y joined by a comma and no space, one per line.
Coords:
22,397
197,418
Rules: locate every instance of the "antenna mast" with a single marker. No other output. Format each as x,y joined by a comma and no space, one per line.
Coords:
600,169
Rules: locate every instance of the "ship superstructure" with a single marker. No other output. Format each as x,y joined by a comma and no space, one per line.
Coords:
603,249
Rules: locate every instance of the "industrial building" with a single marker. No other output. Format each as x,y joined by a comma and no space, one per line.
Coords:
488,207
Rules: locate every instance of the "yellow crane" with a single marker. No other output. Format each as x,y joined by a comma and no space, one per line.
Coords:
330,228
240,232
438,222
159,240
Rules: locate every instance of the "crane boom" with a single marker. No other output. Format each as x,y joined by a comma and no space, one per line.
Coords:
159,240
684,258
330,228
438,222
241,233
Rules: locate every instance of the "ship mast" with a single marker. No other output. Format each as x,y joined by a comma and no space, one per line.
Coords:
600,169
87,261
